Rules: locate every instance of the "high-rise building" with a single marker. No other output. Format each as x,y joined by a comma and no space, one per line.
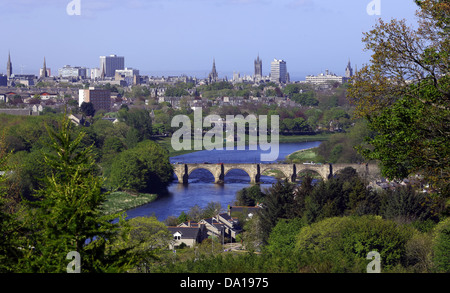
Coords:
9,68
258,68
109,64
278,71
100,99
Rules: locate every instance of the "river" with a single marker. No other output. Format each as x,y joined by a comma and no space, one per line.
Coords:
201,188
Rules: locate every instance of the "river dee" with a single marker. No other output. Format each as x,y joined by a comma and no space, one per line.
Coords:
202,190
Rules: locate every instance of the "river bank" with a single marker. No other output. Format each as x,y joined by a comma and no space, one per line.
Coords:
303,156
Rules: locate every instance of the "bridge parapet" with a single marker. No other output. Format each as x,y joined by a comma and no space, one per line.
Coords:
290,171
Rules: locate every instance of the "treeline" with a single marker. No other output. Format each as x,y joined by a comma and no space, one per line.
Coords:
330,227
117,148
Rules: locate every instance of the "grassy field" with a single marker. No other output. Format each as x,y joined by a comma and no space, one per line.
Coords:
303,156
122,201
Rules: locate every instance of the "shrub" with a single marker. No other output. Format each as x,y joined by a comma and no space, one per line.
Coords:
441,246
342,244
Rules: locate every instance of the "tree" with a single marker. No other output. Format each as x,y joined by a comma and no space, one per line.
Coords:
87,109
279,203
404,94
147,238
67,215
9,223
144,168
138,119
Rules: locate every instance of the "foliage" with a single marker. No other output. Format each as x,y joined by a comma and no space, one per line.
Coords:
342,244
147,238
281,244
406,205
67,217
144,168
250,196
87,109
279,203
441,246
404,94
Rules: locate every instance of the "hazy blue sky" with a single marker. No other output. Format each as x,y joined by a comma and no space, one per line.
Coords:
183,36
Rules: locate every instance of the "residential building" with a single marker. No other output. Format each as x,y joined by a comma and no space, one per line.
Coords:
278,71
109,64
101,99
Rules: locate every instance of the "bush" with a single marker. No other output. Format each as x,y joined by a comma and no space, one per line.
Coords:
441,246
337,245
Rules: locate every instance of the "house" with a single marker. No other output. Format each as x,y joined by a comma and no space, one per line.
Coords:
187,235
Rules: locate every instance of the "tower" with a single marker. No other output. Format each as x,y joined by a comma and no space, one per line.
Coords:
213,76
349,70
44,73
258,67
9,68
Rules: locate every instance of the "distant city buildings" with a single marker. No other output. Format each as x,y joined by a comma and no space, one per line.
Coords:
73,72
331,77
109,65
278,71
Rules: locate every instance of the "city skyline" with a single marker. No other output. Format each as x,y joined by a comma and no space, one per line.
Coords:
174,37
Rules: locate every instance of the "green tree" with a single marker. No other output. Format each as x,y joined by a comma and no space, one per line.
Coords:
279,203
404,94
67,217
147,238
144,168
87,109
9,222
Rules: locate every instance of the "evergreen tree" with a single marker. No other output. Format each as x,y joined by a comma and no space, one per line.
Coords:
67,216
279,203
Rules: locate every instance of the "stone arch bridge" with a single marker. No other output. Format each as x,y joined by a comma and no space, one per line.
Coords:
290,171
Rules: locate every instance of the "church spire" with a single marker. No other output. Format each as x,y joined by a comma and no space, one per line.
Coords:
213,76
44,70
9,66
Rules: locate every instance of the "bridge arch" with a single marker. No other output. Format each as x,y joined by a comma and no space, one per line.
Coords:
269,167
313,173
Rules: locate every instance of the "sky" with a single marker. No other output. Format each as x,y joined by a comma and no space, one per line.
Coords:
174,37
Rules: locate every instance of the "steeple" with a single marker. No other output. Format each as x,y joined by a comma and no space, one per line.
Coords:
213,76
44,70
349,70
9,69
